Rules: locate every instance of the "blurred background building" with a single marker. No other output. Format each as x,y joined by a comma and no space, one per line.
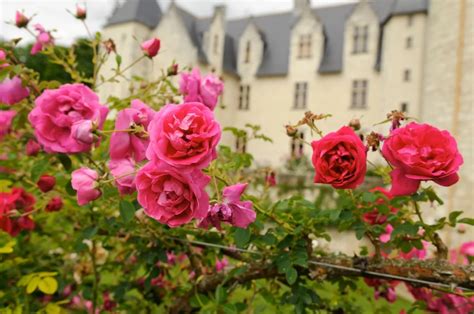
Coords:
357,60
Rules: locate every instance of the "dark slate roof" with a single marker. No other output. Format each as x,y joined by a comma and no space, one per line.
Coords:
275,30
147,12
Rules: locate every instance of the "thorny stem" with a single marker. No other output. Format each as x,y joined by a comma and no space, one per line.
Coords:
441,248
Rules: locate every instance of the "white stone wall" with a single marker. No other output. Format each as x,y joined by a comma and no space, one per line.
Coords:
127,37
439,97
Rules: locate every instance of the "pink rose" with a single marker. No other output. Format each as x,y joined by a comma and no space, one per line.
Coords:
467,248
54,205
416,253
123,170
184,136
385,237
43,39
12,91
46,183
421,152
197,89
221,264
82,131
171,196
81,13
3,59
32,148
6,118
84,181
57,110
211,88
232,211
21,20
124,144
339,159
151,47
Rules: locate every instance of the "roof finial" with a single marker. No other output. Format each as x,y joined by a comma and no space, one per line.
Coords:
301,5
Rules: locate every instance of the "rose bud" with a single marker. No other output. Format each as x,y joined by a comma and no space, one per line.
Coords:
82,131
46,183
173,70
54,205
81,13
355,124
21,20
32,147
291,131
84,181
151,47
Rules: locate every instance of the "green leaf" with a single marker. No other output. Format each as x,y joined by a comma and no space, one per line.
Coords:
48,285
65,161
369,197
453,216
291,275
221,294
89,232
32,285
468,221
127,211
39,168
69,188
241,236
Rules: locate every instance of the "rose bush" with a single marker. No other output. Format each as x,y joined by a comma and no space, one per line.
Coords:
145,210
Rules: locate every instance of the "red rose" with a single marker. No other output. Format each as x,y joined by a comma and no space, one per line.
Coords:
421,152
18,199
46,183
54,205
339,159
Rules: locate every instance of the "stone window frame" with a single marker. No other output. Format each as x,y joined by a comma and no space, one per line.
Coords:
297,145
248,49
244,97
360,39
359,93
305,45
300,95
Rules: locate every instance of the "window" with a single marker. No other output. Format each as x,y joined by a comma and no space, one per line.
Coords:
360,37
297,145
408,42
304,46
247,52
407,75
301,93
241,144
410,20
244,98
404,107
359,94
215,44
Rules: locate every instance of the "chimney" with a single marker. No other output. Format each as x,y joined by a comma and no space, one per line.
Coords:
220,10
301,5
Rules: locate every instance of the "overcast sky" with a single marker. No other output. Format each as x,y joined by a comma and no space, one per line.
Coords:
52,13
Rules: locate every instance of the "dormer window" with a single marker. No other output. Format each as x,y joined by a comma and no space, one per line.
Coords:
215,45
304,46
360,38
247,52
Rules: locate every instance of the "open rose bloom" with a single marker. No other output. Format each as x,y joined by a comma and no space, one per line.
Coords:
184,136
339,159
171,196
56,112
421,152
